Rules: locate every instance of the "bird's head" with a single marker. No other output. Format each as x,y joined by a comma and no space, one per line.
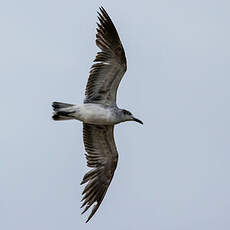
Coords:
127,116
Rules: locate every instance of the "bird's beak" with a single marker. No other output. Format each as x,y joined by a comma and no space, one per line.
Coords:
137,120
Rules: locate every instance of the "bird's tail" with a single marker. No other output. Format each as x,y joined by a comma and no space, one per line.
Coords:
62,111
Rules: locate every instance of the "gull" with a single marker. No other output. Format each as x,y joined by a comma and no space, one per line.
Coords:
99,113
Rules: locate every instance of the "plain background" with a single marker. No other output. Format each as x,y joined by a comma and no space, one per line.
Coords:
173,172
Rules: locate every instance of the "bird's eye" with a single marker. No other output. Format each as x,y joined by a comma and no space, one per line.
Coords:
126,112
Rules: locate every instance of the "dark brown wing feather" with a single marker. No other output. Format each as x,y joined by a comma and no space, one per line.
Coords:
102,156
107,72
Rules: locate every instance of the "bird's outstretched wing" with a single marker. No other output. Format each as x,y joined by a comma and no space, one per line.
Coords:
107,72
102,156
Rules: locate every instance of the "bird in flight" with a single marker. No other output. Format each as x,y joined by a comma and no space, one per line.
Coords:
99,113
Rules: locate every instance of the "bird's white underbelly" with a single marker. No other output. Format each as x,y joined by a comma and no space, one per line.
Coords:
94,114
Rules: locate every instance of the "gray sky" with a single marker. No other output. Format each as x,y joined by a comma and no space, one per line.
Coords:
173,172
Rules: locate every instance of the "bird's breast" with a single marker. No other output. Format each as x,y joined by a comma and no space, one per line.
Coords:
95,114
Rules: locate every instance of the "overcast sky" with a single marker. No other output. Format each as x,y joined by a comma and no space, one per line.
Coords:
173,172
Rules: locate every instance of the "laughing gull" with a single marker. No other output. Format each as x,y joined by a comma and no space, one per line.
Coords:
100,113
